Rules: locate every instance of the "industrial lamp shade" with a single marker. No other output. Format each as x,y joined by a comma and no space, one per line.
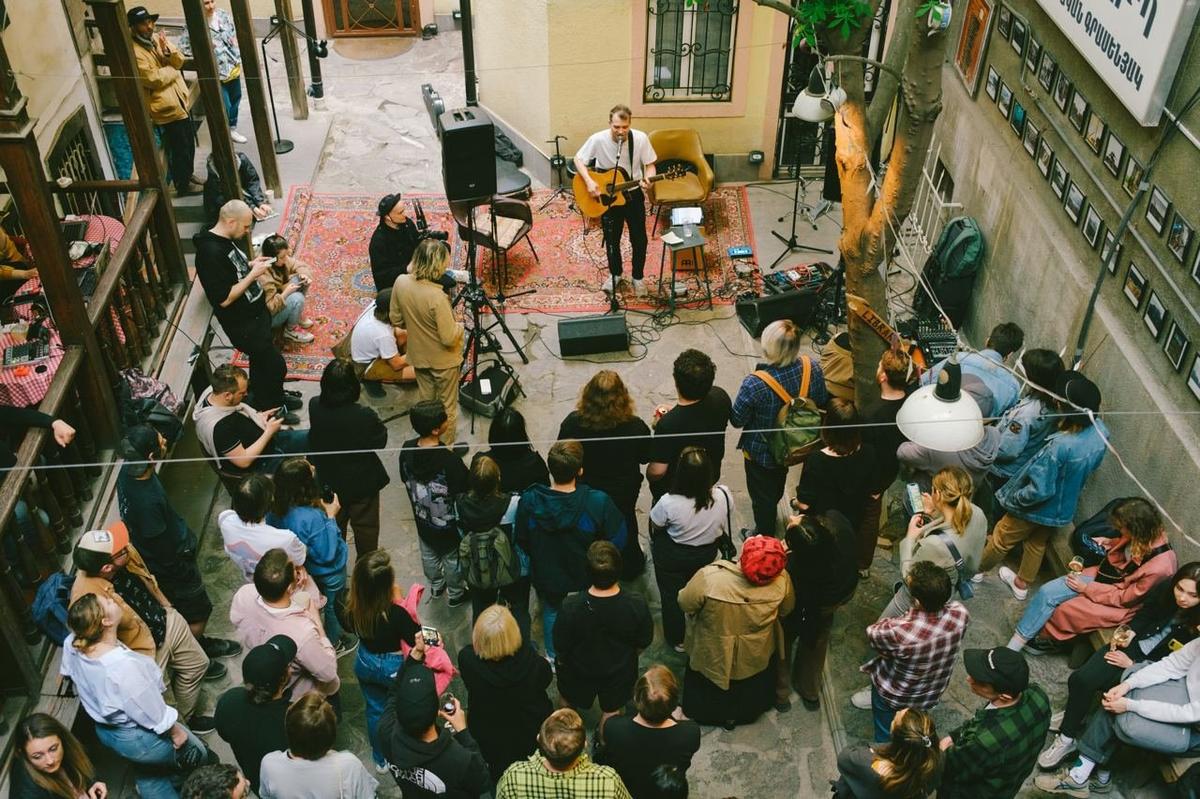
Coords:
817,103
940,417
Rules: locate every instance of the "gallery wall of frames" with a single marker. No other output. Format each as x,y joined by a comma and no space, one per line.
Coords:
1004,60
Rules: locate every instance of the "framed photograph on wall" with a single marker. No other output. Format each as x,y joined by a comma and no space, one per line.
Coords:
1017,122
1062,92
1032,133
1091,226
1020,34
1175,345
1114,152
1193,380
1004,101
1045,157
1179,237
1109,242
1004,21
1133,176
1058,179
1074,202
993,82
1157,210
1077,113
1094,134
1155,315
1047,71
1033,54
972,42
1135,286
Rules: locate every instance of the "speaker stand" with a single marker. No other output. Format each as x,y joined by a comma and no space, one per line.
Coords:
791,243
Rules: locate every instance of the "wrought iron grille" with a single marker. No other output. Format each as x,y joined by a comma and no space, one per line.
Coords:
74,156
372,17
689,51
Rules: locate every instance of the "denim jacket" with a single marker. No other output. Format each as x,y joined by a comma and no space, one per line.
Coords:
1023,430
1046,490
988,366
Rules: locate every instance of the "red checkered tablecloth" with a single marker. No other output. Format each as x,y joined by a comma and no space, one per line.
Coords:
27,384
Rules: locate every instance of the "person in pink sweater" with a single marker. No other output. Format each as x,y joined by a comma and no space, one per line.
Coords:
273,605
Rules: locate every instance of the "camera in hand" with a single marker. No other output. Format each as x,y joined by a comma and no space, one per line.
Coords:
327,493
423,229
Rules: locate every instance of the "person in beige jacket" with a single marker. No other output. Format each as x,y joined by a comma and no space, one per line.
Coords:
735,641
420,306
158,65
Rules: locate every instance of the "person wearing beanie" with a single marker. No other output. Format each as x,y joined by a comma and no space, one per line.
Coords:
424,757
162,537
1042,496
735,642
250,717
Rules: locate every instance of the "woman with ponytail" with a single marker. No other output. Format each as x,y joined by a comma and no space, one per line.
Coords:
950,533
907,767
51,763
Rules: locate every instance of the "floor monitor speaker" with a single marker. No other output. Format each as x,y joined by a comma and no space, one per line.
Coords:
468,153
588,334
758,312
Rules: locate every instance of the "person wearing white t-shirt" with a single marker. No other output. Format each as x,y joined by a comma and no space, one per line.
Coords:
376,347
244,533
311,768
621,146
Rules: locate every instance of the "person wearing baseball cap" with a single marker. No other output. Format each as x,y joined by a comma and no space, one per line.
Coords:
990,755
250,717
107,564
393,243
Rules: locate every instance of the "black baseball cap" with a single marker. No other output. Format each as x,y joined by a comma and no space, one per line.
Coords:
387,204
415,696
1002,668
265,664
139,14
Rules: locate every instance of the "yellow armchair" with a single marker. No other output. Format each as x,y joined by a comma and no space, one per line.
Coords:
680,144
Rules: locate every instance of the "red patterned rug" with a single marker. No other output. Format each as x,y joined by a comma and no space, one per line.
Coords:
331,232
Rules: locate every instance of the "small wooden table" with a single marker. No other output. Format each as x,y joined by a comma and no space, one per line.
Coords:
691,242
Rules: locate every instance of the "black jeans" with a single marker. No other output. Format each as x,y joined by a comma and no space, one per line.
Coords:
515,596
674,565
633,215
1094,677
765,486
179,141
267,367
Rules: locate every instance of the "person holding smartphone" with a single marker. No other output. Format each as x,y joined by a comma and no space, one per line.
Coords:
285,286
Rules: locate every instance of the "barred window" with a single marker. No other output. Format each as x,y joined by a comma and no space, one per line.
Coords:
689,51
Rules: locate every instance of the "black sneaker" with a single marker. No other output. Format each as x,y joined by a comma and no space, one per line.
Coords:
291,402
216,671
747,532
374,388
291,392
291,419
1043,646
456,601
220,647
201,725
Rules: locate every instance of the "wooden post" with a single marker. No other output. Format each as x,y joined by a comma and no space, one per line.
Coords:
256,96
291,59
114,32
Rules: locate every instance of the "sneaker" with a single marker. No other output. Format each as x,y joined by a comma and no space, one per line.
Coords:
202,725
346,644
1101,781
1009,578
862,699
977,577
436,593
191,188
457,601
1042,646
1060,783
293,402
381,768
291,419
197,180
374,388
864,574
610,284
747,532
639,287
237,137
298,336
812,705
306,323
220,647
553,665
216,671
460,275
783,707
291,392
679,648
1058,750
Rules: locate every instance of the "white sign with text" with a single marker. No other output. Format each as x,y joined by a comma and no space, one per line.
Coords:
1134,45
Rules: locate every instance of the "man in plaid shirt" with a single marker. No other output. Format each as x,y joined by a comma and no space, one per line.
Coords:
916,650
560,768
991,755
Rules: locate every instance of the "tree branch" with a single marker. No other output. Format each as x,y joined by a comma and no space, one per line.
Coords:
886,85
781,7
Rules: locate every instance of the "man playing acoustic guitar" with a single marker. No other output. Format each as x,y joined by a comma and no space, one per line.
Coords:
621,146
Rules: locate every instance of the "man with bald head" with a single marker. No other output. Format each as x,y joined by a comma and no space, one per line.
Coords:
230,281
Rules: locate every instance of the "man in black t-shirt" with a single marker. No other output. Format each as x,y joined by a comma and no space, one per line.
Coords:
244,439
250,717
698,419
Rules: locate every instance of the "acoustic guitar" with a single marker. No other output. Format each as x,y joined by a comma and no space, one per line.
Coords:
613,184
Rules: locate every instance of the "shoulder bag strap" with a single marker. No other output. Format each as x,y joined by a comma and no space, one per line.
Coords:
774,385
805,375
728,512
954,553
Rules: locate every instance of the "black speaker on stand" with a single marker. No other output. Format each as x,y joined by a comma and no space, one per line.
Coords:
468,154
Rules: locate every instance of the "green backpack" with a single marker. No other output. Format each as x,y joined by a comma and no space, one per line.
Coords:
487,560
797,432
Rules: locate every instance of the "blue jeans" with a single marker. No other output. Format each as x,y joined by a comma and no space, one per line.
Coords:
375,673
291,313
882,713
550,607
156,770
232,92
331,585
1042,606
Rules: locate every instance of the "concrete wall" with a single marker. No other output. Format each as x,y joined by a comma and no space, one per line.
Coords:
1041,269
514,82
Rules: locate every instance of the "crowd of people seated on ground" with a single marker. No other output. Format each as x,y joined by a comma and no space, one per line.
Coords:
747,625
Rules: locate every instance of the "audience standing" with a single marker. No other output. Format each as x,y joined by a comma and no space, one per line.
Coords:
698,419
223,35
245,532
521,466
218,781
50,763
310,768
250,717
560,767
896,378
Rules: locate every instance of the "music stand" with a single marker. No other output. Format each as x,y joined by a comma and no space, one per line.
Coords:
791,243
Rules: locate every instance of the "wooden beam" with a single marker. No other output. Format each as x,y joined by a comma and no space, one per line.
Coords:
256,96
291,59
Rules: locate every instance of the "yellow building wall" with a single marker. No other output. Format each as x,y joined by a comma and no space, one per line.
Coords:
258,8
511,47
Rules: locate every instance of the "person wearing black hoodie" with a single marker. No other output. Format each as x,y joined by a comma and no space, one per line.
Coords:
425,758
230,282
520,464
506,683
555,527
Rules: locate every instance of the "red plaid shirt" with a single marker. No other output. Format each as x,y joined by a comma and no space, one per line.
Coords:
916,655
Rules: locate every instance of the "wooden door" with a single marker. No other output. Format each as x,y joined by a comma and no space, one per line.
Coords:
345,18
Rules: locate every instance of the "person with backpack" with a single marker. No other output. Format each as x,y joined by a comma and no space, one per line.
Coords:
556,524
756,409
597,637
990,366
435,477
487,556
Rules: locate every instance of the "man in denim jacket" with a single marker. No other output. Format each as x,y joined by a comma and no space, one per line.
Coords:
1042,496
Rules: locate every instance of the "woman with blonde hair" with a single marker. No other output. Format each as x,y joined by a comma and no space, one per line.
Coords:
907,767
51,763
949,532
615,445
636,746
506,683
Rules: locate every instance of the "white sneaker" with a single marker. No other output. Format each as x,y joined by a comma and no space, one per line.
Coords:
862,699
1009,578
977,577
460,275
639,287
237,137
299,336
610,284
1058,750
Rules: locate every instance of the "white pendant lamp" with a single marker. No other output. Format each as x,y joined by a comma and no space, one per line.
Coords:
941,417
817,103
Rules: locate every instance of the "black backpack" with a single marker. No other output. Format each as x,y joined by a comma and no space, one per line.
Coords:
1095,526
